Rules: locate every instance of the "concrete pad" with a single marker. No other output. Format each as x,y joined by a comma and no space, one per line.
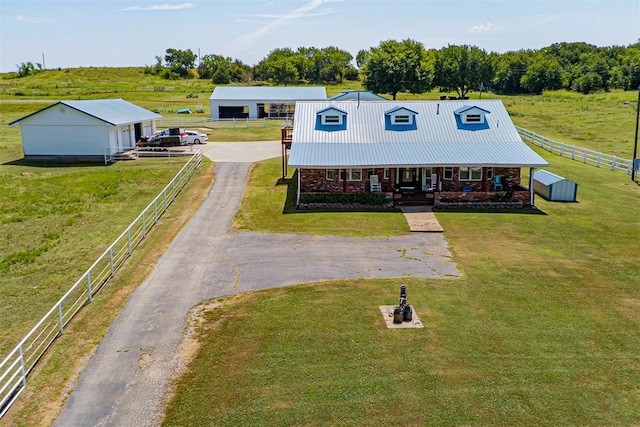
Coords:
387,315
421,219
242,152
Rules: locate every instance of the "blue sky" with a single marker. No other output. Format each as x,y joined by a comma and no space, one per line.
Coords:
77,33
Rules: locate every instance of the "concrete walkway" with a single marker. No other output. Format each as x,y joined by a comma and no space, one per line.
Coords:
421,219
125,382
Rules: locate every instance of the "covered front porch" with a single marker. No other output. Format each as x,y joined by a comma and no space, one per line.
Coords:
426,185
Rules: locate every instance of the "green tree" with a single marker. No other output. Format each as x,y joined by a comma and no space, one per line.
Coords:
627,70
274,63
544,73
361,57
211,65
28,69
394,67
509,69
282,72
462,68
180,61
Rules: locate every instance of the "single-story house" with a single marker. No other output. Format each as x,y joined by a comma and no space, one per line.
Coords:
256,102
85,130
357,95
437,151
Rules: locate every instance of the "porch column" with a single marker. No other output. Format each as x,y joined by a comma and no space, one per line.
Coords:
343,174
298,190
531,193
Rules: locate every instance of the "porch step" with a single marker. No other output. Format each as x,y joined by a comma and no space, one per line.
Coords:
126,155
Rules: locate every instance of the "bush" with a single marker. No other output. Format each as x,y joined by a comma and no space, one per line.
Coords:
372,199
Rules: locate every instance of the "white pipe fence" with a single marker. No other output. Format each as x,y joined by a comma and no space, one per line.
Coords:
211,123
576,153
16,367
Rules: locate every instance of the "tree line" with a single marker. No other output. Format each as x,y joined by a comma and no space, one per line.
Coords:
407,66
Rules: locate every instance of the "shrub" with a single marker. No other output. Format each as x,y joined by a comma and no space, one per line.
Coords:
345,198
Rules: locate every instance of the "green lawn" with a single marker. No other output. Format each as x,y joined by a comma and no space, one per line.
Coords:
542,329
56,220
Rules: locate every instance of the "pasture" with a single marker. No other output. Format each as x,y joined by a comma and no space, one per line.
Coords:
542,328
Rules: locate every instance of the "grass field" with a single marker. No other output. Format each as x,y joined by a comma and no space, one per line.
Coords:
541,330
56,220
572,118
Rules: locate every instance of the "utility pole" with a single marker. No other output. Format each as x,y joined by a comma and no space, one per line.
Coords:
44,67
635,141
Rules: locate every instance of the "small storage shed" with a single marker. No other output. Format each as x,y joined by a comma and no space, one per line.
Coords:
257,102
88,130
553,187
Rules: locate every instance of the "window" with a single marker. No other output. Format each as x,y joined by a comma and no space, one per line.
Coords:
470,174
474,118
489,173
386,173
330,174
448,174
403,119
354,174
331,120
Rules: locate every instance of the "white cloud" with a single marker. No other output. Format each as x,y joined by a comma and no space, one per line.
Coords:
486,28
543,19
304,11
32,19
159,7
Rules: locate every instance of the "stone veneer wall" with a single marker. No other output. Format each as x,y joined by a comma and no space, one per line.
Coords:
510,178
520,194
314,181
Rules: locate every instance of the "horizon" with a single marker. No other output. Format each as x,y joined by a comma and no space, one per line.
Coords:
59,34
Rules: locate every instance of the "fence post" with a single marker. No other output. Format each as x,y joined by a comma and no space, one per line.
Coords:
613,163
89,290
129,240
573,152
23,369
144,224
113,270
60,318
584,155
598,159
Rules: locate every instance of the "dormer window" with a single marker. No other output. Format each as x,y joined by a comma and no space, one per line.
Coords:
400,119
331,119
471,117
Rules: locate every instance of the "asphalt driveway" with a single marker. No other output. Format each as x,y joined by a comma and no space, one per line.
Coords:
125,381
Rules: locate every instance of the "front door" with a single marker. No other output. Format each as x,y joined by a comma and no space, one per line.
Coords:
408,178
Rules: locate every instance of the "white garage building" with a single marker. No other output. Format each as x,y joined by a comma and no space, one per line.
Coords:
84,130
256,102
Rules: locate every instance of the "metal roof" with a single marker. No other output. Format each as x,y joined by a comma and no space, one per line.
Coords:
437,141
115,112
355,95
269,93
546,177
